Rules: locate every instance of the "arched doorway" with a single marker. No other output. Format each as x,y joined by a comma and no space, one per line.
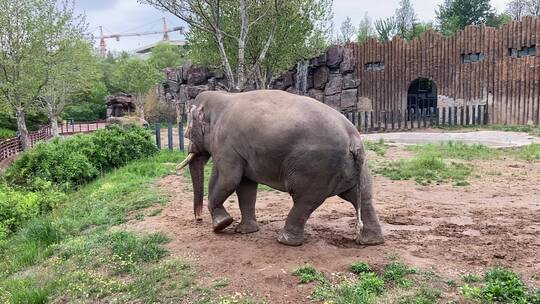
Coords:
421,97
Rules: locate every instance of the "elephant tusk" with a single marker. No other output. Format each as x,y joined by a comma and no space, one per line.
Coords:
186,161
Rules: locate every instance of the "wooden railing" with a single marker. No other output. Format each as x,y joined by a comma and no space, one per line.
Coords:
13,146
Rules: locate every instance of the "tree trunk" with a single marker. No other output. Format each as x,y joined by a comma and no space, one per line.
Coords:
244,29
140,105
51,114
21,128
225,61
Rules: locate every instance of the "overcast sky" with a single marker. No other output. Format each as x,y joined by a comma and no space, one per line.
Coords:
123,16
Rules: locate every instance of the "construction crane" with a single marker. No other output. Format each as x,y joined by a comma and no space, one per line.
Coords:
165,32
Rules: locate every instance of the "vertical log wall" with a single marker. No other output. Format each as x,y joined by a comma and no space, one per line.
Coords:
509,85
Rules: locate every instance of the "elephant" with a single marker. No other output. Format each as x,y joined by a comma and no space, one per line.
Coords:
288,142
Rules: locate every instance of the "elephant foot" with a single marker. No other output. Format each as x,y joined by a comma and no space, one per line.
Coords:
370,238
290,239
245,228
221,222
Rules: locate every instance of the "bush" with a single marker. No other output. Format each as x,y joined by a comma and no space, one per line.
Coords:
77,160
17,207
360,267
6,133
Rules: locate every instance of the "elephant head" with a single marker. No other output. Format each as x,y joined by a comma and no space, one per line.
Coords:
198,127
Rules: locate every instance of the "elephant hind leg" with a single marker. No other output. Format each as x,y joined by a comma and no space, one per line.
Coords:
247,195
369,230
293,232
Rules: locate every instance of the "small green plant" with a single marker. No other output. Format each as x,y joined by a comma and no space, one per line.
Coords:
397,272
22,291
371,283
470,278
500,286
360,267
378,147
308,274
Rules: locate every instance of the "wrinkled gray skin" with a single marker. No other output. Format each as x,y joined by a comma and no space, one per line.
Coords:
288,142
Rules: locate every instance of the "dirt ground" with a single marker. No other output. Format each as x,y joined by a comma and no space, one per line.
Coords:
453,230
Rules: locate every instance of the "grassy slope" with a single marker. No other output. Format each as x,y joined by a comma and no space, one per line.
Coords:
74,255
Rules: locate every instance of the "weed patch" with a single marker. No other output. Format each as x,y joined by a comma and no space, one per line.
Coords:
378,147
423,296
455,150
500,286
308,274
360,267
425,169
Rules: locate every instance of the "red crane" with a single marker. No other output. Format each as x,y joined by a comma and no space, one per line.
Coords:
165,32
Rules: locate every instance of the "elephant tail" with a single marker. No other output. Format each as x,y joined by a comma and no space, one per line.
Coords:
359,156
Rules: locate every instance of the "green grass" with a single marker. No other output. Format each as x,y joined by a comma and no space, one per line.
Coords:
6,133
397,272
455,150
426,169
423,296
533,130
470,278
378,147
530,152
78,254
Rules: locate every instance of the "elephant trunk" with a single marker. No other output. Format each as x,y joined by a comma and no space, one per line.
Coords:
196,169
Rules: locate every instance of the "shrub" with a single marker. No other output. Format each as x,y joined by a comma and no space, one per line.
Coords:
75,161
6,133
17,207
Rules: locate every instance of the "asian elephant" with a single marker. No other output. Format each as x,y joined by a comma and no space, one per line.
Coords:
291,143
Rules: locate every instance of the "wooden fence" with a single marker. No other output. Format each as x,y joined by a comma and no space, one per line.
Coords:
13,146
417,118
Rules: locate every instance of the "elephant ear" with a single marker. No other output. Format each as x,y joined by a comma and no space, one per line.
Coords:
200,119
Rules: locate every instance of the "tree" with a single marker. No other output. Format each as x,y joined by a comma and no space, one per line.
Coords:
73,71
302,26
136,76
365,30
346,30
419,29
517,8
30,34
208,16
454,15
166,55
405,18
386,28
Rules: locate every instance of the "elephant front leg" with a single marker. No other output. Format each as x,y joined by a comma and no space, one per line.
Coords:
247,195
221,186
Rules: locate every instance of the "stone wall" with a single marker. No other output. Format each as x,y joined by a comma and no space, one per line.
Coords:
329,78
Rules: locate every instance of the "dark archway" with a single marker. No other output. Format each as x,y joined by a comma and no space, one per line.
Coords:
422,97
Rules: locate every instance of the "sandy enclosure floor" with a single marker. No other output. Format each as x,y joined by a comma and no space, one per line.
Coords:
454,230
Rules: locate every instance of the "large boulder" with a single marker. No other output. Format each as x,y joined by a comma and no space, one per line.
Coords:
350,81
194,91
316,94
197,76
185,70
320,77
333,101
348,63
334,85
127,121
319,61
334,56
284,81
349,98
